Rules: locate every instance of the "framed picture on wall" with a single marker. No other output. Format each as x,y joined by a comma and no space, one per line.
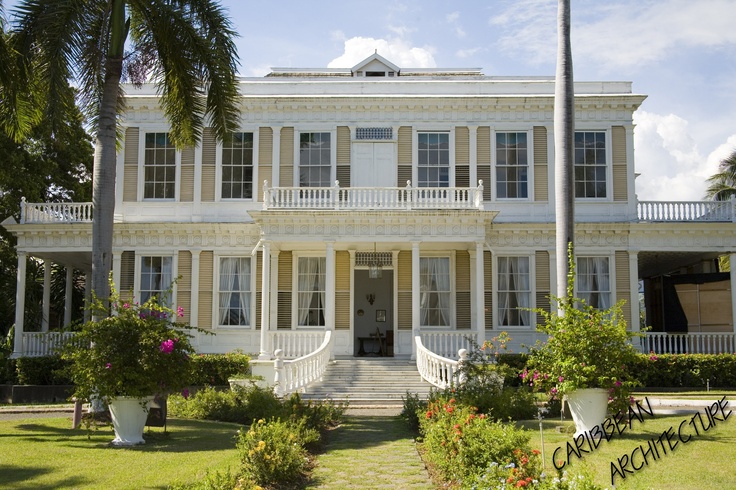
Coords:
380,315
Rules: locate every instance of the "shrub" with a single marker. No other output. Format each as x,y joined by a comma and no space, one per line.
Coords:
208,404
413,406
46,370
686,370
215,369
274,452
317,415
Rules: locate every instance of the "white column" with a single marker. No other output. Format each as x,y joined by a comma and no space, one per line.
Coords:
415,297
480,286
68,296
330,286
634,288
20,304
265,300
732,261
194,306
46,301
117,268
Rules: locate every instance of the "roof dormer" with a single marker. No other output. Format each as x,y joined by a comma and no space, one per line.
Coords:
375,66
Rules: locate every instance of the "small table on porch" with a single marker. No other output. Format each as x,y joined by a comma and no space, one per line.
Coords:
376,343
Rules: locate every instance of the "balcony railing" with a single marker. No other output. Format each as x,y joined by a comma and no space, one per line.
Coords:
38,344
704,211
369,198
62,212
689,343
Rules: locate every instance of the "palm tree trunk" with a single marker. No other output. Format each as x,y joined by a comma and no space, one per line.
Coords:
564,128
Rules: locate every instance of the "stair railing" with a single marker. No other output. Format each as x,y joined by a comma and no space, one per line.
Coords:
437,370
296,374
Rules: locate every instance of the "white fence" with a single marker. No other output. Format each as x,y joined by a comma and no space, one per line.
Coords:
365,198
294,375
296,343
37,344
447,343
438,370
719,211
66,212
689,343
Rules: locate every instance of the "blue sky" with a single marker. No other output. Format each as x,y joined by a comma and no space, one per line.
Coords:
680,53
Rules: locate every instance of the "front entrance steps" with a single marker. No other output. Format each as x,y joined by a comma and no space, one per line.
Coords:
374,382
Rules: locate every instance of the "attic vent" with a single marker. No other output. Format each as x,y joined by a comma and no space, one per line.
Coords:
374,133
375,73
364,259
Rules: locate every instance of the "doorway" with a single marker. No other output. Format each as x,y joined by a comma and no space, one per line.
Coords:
373,315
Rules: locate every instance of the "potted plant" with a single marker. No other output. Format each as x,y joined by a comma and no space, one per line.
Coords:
130,354
586,357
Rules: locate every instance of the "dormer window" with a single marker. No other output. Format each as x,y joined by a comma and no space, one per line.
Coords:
375,73
375,66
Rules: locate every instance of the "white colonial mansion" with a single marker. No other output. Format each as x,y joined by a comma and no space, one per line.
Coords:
410,202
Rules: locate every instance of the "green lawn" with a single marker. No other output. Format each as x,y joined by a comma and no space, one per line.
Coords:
705,461
45,453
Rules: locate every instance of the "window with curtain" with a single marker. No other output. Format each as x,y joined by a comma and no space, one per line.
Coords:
156,278
237,166
311,291
594,281
514,291
159,167
435,291
511,165
315,161
235,292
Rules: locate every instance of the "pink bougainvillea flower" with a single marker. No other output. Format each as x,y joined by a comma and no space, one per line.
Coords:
167,346
108,365
560,379
185,393
180,311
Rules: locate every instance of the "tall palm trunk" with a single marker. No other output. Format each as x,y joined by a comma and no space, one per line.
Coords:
564,128
103,180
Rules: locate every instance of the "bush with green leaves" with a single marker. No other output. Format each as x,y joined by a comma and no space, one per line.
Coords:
45,370
215,369
686,370
274,452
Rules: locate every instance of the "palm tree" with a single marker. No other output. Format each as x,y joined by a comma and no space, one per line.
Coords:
185,46
722,185
564,127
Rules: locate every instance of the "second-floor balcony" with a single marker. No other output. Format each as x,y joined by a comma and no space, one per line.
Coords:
372,198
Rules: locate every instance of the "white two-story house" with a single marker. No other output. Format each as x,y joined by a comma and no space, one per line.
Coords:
410,202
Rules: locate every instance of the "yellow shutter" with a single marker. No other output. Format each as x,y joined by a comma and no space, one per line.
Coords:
623,291
209,165
404,293
286,160
284,288
618,151
184,285
542,282
127,275
404,156
206,287
342,290
462,285
488,287
130,165
187,175
265,160
541,181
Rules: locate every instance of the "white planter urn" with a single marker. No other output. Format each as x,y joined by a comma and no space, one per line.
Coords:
589,407
129,416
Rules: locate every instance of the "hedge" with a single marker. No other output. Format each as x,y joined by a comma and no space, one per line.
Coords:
686,370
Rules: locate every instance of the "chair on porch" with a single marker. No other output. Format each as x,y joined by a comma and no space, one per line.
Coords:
389,342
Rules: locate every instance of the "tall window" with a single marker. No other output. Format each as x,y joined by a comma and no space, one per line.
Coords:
511,165
234,306
237,166
315,162
434,291
311,291
594,281
159,167
433,153
514,291
156,278
590,164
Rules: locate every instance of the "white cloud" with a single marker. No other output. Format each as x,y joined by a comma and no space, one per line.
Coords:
454,20
467,53
671,165
397,51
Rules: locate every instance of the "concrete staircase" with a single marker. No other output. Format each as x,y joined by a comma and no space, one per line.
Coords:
371,382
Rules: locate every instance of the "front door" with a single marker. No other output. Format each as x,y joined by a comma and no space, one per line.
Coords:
373,314
373,165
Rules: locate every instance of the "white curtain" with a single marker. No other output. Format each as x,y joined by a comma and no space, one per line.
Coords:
514,290
434,284
244,284
311,282
594,281
228,268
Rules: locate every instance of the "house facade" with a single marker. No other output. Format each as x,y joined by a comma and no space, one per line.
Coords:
384,200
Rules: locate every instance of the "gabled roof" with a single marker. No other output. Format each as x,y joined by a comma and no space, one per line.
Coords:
380,59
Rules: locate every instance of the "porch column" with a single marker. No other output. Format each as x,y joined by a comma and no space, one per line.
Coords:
68,296
732,261
265,300
20,304
634,293
330,286
46,301
480,304
415,297
117,268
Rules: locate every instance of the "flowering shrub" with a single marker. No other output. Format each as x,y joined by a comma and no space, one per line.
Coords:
586,348
133,350
273,453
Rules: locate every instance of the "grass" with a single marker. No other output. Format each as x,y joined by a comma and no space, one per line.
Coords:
705,461
45,453
370,452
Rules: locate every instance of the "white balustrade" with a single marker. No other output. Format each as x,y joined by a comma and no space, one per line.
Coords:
37,344
299,373
718,211
296,343
689,343
365,198
438,370
63,212
447,343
